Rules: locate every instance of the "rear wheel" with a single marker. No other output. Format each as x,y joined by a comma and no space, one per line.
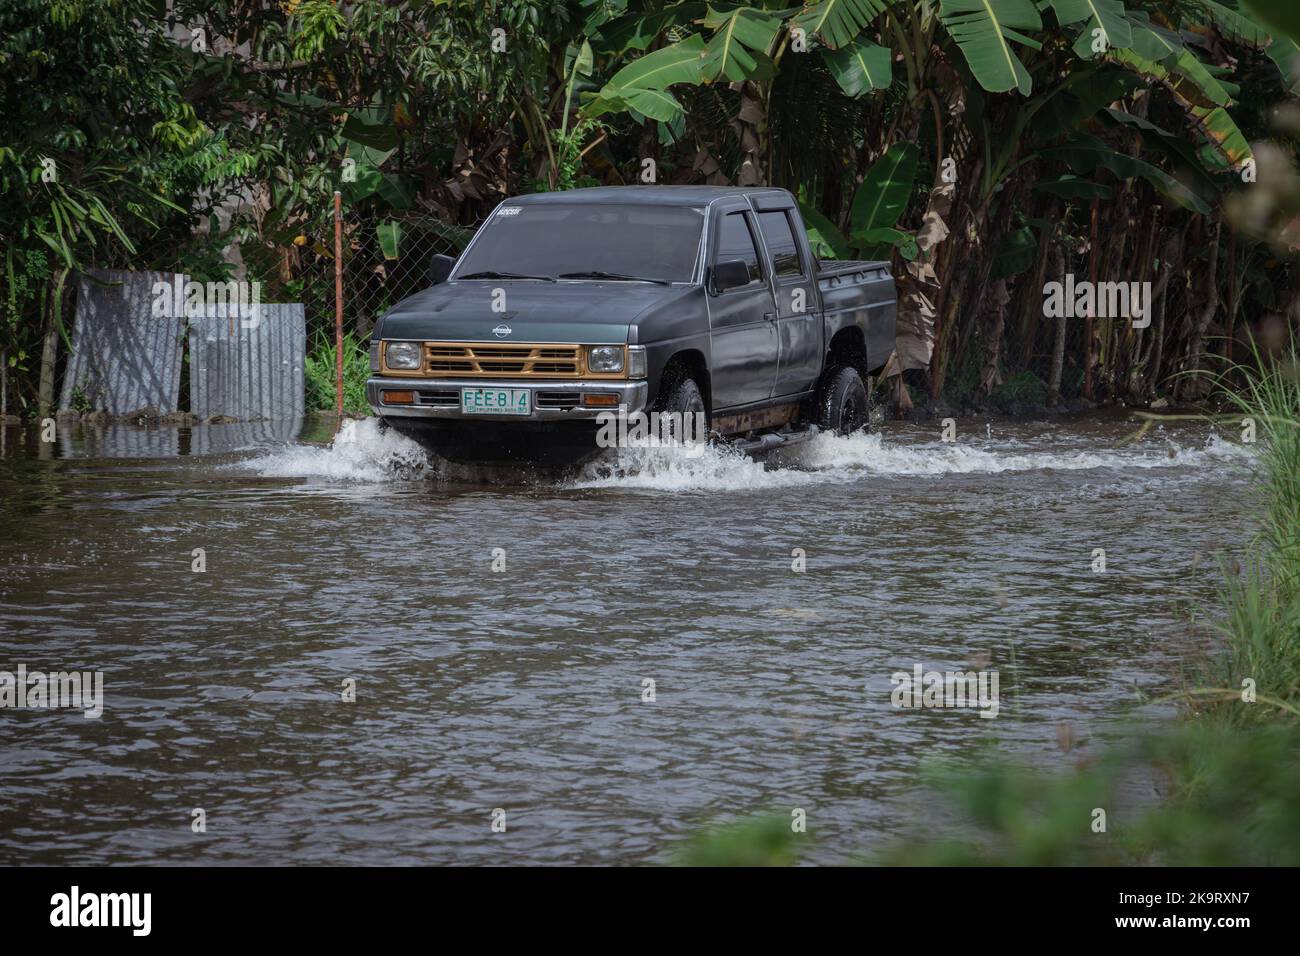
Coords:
843,406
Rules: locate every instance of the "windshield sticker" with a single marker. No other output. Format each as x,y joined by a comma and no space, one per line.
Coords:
510,210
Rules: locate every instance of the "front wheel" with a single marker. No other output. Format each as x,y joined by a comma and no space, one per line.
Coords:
681,397
843,407
681,400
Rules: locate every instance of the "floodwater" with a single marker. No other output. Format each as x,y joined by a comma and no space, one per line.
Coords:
517,680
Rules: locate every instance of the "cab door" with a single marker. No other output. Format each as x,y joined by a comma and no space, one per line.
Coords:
742,321
799,325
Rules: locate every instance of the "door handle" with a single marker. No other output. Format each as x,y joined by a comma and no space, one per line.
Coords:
769,316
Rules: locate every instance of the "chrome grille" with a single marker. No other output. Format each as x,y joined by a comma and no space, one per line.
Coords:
488,360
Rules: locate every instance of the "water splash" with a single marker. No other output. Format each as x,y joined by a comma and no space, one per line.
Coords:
360,452
669,468
835,459
871,454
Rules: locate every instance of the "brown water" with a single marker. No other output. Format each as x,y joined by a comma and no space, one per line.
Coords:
522,689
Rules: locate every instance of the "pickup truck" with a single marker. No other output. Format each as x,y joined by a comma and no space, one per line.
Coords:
683,299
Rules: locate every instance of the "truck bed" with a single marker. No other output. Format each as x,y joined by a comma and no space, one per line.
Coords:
832,268
861,292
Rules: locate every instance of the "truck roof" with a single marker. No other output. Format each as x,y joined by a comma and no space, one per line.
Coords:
644,195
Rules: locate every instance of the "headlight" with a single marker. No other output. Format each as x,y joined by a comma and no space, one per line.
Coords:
402,355
605,358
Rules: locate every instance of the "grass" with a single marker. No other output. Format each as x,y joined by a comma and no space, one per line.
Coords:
1025,387
322,374
1264,606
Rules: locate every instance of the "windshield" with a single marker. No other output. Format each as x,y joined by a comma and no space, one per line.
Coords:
649,242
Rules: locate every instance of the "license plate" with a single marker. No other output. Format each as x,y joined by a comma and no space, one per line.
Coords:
496,401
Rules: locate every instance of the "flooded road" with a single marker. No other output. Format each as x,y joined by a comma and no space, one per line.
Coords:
517,679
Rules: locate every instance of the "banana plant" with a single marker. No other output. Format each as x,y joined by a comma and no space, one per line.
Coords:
643,84
739,48
837,22
1105,24
878,204
1160,55
985,30
860,67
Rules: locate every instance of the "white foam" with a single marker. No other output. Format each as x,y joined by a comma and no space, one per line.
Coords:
668,468
870,453
830,458
359,452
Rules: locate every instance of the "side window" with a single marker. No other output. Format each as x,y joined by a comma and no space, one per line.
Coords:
780,242
735,241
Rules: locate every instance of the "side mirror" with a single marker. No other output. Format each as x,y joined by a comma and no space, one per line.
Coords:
730,275
440,268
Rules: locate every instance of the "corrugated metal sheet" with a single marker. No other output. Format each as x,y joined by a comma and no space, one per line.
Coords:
124,358
249,373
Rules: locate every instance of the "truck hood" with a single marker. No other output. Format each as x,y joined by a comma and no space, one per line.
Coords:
586,312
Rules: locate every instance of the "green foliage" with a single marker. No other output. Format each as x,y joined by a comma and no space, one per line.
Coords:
569,167
1086,154
825,239
860,67
881,199
759,841
985,30
80,400
1280,14
1103,22
643,84
98,135
1024,387
837,22
1262,626
1230,802
738,49
322,374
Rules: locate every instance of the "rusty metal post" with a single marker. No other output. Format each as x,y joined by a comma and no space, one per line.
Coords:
338,304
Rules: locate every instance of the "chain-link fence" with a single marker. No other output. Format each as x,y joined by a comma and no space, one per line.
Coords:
385,259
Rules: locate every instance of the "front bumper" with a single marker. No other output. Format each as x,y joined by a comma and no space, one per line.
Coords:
551,401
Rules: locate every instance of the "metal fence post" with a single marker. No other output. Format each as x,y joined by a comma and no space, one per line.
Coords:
338,304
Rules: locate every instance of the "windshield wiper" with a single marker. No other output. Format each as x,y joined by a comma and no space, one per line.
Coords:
618,276
504,275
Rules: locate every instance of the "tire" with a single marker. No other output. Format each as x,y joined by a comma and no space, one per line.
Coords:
843,407
681,396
